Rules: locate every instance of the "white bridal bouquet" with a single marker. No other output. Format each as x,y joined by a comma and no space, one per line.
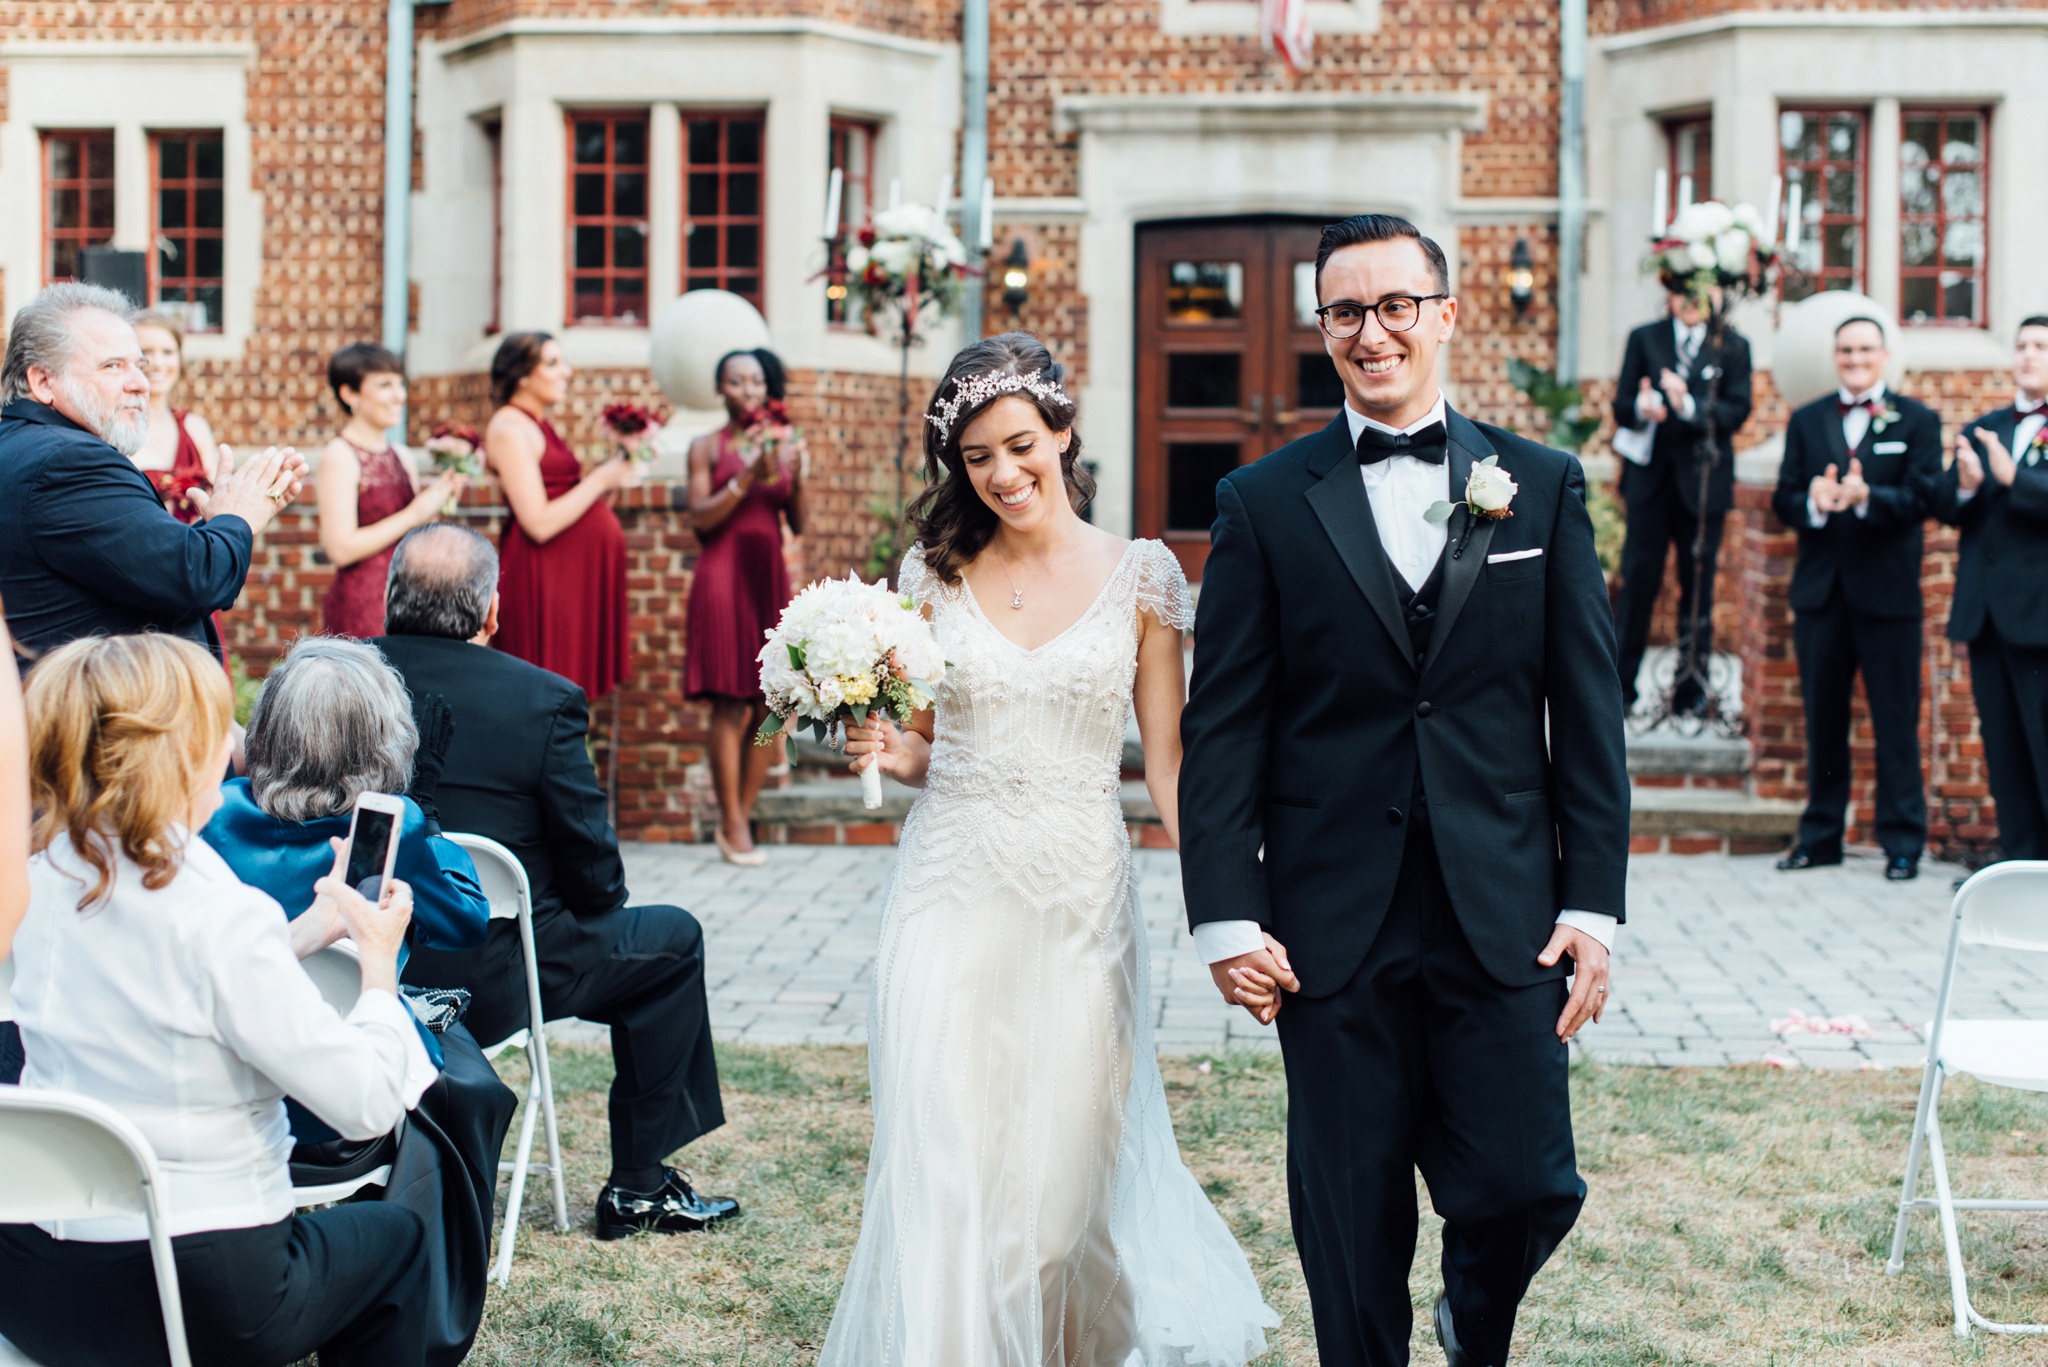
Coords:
842,650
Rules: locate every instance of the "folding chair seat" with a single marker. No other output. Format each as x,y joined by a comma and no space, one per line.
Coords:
338,972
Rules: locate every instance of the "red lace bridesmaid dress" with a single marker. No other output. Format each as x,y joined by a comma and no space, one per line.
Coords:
188,472
740,587
355,601
562,603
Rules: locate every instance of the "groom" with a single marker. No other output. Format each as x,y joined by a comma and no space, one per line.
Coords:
1404,800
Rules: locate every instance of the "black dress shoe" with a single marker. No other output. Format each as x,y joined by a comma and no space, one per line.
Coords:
1803,858
1901,868
675,1209
1447,1335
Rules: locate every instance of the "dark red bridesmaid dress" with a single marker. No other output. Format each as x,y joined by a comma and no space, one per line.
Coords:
562,603
355,601
740,588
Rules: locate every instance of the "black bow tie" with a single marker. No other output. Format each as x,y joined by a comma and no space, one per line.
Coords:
1375,446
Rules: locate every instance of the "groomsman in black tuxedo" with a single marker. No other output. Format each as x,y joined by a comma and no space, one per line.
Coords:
1997,492
1660,413
1404,769
1857,481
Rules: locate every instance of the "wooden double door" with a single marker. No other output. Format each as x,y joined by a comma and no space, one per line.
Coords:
1230,363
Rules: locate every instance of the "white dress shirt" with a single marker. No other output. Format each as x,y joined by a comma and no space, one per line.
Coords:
1855,427
1400,490
186,1011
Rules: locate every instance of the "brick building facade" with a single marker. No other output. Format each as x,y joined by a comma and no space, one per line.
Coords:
1121,132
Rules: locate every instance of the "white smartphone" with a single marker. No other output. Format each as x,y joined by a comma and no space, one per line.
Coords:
373,841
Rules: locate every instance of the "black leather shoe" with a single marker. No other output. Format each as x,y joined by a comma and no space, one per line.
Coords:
676,1209
1447,1335
1803,858
1901,868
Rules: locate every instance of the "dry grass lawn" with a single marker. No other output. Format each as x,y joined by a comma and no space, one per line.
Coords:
1736,1216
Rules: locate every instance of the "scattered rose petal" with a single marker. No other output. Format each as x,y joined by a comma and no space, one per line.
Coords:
1203,1066
1780,1061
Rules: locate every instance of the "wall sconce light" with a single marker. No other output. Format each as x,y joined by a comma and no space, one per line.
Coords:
1521,276
1017,276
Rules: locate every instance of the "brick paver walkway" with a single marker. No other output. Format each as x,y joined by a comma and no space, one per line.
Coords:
1716,950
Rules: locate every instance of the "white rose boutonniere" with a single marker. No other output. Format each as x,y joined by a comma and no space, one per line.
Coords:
1884,418
1488,492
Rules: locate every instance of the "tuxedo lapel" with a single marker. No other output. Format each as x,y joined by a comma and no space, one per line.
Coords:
1339,501
1838,445
1465,554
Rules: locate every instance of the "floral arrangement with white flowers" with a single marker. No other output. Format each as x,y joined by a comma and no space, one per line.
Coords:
1714,245
1488,492
909,260
842,651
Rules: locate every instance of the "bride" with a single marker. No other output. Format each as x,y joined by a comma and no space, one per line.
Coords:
1026,1204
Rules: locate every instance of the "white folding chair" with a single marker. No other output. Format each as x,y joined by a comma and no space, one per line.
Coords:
511,897
69,1157
338,972
2004,906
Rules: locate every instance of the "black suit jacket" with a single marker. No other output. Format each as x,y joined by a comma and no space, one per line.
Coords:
518,773
1875,558
2002,562
1309,716
87,549
1675,452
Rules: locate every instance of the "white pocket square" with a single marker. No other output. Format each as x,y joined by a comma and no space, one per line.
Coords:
1506,556
1888,448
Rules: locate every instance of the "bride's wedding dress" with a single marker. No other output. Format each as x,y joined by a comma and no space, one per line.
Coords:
1026,1204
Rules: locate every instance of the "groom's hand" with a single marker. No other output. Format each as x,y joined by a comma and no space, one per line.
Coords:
1589,977
1251,980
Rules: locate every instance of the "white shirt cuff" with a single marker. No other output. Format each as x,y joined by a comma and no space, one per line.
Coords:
1219,940
1964,495
1863,508
1597,924
1814,517
375,1004
1688,408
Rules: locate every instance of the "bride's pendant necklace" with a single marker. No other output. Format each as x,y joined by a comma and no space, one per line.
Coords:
1016,593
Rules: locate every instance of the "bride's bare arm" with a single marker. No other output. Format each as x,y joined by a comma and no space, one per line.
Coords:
1157,697
903,752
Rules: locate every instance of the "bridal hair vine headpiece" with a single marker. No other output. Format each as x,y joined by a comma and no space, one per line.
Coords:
976,390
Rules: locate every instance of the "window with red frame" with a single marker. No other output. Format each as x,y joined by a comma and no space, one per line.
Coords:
1822,155
78,198
187,176
722,221
608,217
1689,149
1944,173
851,152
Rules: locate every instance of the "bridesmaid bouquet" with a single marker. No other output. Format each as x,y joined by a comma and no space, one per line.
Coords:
457,447
763,424
631,428
842,651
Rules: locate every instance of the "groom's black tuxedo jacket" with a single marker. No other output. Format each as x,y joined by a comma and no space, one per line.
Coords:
1309,713
2002,558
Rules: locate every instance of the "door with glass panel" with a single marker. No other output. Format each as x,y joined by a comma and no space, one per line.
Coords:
1230,364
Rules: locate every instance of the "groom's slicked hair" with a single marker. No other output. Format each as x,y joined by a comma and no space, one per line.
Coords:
1358,228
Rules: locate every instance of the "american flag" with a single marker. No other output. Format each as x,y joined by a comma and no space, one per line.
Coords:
1283,26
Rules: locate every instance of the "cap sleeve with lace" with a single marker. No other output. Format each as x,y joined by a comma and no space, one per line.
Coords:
1162,589
914,580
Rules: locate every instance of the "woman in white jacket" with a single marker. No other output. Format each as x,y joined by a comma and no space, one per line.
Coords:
148,977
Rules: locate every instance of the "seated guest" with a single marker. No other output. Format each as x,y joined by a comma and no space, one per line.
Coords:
518,773
150,978
86,546
332,722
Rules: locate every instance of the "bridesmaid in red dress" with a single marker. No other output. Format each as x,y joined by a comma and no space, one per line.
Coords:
369,493
746,479
179,454
562,561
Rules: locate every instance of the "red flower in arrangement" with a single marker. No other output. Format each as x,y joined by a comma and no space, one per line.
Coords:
773,413
625,421
457,431
867,236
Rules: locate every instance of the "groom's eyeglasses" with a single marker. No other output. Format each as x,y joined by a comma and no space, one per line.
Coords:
1397,313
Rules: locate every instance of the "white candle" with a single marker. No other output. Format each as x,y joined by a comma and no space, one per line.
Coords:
1684,192
1771,213
833,192
945,195
1795,225
895,192
1660,202
986,237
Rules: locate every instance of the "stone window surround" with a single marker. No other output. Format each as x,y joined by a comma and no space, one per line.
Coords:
527,73
1745,67
133,88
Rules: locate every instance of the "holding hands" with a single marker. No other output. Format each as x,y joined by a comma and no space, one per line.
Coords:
1255,981
256,491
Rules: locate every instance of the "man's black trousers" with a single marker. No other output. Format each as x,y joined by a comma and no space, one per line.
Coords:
2011,686
1658,520
1833,643
1424,1061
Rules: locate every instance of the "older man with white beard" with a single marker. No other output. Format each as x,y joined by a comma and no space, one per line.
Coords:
86,547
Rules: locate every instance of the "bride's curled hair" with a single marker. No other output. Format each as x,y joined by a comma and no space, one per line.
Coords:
950,518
